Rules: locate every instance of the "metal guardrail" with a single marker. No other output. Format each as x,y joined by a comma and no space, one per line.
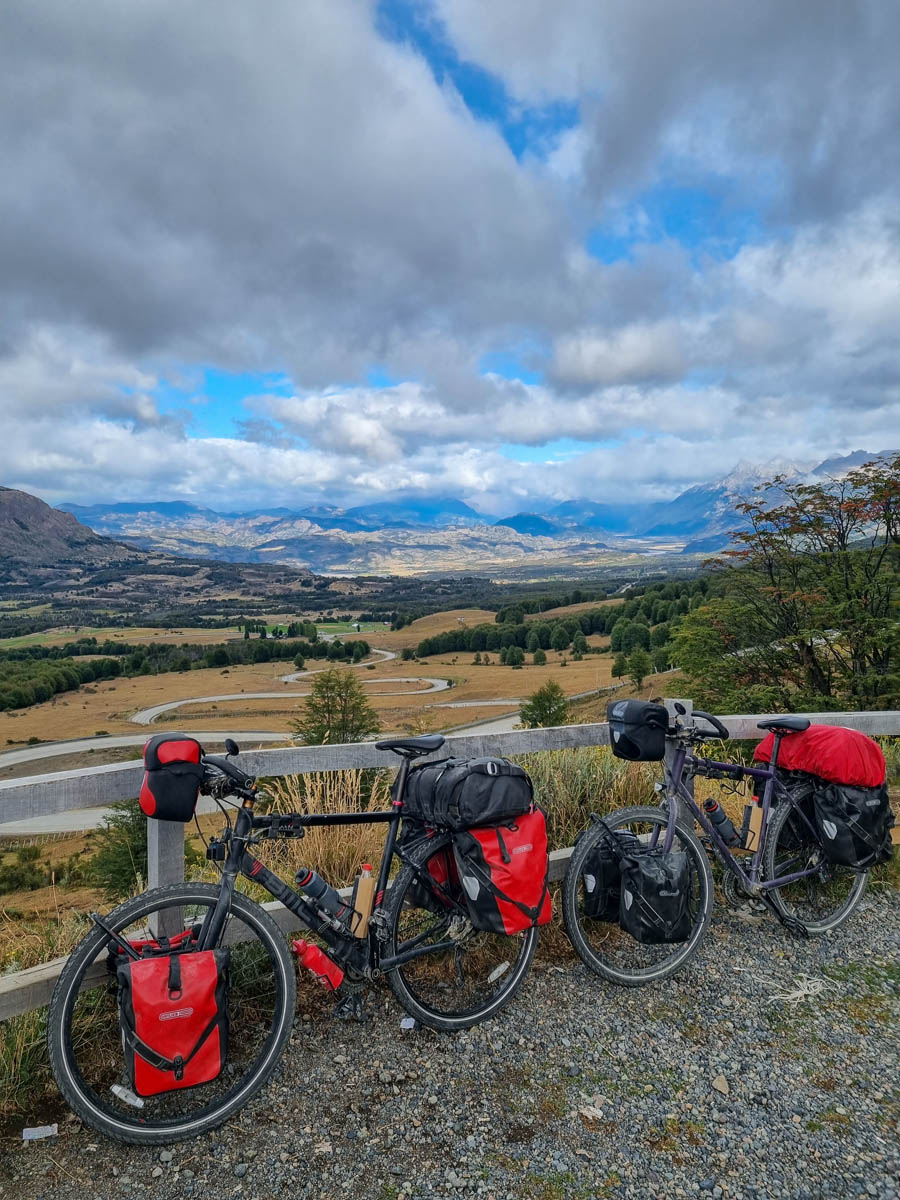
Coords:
63,791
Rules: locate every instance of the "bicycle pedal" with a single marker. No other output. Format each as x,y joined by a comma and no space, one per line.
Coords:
351,1007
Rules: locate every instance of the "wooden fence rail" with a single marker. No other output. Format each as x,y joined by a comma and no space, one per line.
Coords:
64,791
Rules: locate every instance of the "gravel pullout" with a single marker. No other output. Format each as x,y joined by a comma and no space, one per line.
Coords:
702,1086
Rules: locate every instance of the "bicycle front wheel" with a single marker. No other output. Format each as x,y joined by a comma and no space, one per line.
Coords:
820,901
603,946
84,1036
466,981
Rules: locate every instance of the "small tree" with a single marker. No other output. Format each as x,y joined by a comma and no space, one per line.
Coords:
560,638
120,865
407,654
515,656
579,643
533,642
620,666
336,710
639,666
545,707
299,661
540,658
477,659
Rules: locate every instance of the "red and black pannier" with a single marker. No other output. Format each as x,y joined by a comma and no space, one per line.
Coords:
172,779
440,867
504,871
173,1011
837,776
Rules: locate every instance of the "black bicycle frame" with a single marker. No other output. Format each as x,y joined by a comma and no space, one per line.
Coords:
361,954
675,778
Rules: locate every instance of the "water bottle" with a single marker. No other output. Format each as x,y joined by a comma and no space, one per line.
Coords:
322,893
328,973
722,822
363,898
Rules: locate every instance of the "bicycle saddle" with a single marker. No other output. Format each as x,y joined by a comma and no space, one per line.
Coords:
784,724
414,746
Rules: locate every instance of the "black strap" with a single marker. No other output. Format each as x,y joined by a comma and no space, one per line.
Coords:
174,977
176,1064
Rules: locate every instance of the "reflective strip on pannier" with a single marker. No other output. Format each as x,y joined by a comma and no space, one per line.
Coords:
462,793
172,779
503,870
637,730
173,1012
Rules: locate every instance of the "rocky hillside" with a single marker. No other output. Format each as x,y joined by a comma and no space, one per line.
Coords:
32,534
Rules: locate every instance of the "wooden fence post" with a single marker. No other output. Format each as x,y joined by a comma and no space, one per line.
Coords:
165,865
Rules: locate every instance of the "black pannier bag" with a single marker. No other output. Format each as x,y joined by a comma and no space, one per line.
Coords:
173,1012
172,779
504,873
637,730
654,904
854,824
463,793
601,875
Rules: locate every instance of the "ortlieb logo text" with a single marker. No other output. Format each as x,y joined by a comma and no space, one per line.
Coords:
175,1013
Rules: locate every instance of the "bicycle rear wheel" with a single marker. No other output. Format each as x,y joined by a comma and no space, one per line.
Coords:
604,946
821,901
454,988
83,1030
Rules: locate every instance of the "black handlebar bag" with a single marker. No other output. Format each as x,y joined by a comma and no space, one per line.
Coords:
463,793
172,779
654,903
637,730
173,1012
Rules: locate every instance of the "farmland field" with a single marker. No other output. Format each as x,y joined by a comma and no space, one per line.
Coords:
108,706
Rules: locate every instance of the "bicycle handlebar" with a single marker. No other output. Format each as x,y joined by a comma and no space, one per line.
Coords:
244,782
714,721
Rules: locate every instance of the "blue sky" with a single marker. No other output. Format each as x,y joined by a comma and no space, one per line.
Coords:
515,252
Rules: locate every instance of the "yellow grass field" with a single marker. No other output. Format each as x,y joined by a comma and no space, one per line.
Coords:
71,633
572,610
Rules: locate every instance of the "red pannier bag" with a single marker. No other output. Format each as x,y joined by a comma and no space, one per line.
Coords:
503,870
172,779
173,1012
829,751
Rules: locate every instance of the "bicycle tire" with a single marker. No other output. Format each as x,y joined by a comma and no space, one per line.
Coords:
790,845
485,975
80,1041
604,947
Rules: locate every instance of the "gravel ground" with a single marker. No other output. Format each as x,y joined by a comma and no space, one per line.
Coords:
702,1086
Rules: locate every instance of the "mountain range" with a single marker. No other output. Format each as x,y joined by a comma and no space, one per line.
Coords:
411,535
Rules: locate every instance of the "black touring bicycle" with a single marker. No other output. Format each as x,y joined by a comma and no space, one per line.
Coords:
175,1009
